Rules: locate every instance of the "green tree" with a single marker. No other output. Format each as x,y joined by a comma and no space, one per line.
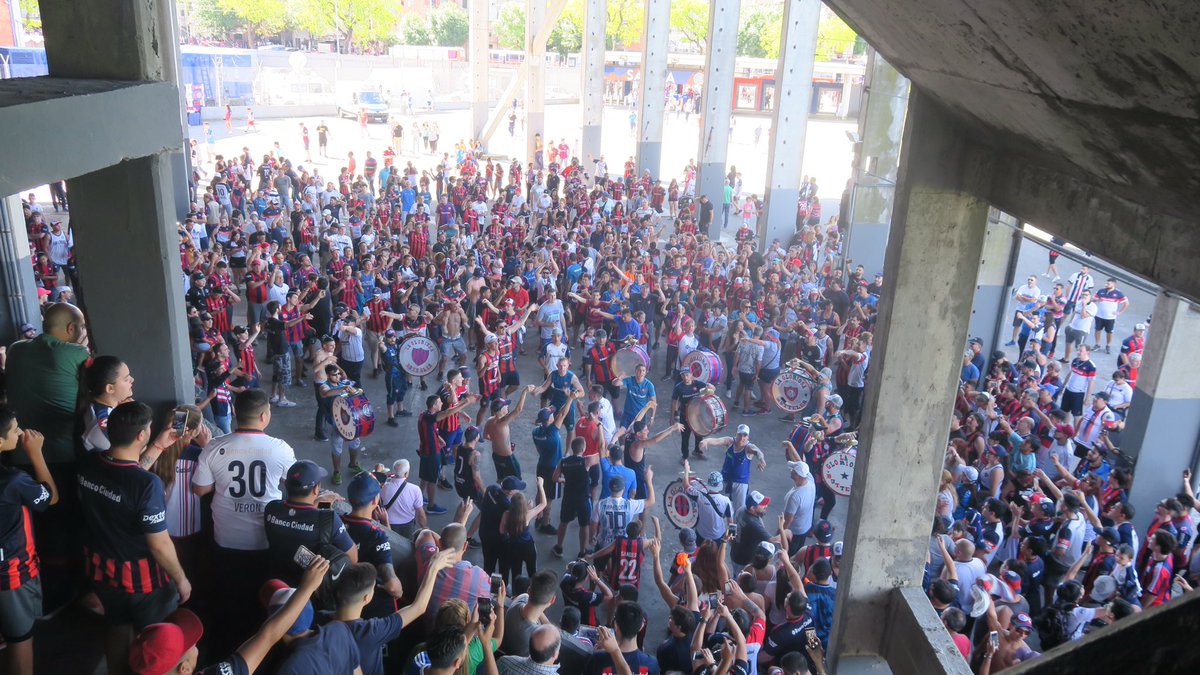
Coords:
31,16
624,23
357,22
689,21
208,18
415,31
835,38
566,37
258,17
448,25
759,32
510,26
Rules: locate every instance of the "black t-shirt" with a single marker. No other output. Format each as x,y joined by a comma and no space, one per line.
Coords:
574,471
233,665
276,337
751,533
19,494
640,663
491,510
676,653
121,503
330,651
811,354
373,544
706,212
789,637
289,526
684,393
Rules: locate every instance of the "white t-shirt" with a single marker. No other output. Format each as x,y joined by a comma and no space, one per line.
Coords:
968,573
1118,394
613,514
712,517
687,345
244,469
607,422
799,504
1081,323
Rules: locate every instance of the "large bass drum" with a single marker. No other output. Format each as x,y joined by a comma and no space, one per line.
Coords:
838,471
705,366
793,391
630,357
353,416
418,355
706,414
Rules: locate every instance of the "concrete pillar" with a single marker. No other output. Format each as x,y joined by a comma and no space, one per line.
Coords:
718,106
789,121
535,81
937,225
591,91
17,284
478,45
1164,420
652,103
997,265
880,128
128,255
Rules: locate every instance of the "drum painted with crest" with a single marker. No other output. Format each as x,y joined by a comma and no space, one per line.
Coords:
838,470
630,357
793,391
353,417
418,355
705,365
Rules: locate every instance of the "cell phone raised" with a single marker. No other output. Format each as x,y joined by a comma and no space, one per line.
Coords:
485,611
497,582
994,638
324,505
303,557
179,420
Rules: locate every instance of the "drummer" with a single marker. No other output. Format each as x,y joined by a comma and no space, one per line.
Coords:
394,378
602,365
336,385
687,390
688,343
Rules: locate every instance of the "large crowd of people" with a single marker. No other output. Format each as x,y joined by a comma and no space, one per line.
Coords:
208,547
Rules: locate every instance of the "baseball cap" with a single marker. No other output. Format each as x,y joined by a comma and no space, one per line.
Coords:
512,483
1012,580
545,414
1065,429
1112,535
687,539
980,601
1139,326
757,498
970,472
498,404
715,481
1052,388
975,341
836,400
1022,621
27,327
279,598
767,547
1104,588
304,475
743,429
800,469
327,212
160,646
823,531
362,489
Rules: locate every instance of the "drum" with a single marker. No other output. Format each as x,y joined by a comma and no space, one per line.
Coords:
679,507
418,355
706,414
353,416
705,365
793,391
838,471
629,357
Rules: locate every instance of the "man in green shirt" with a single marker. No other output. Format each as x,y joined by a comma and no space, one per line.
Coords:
726,204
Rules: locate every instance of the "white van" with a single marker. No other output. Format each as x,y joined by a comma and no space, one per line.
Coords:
352,99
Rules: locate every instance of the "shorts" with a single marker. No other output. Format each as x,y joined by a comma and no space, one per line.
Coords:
1053,256
452,346
547,476
1076,337
256,312
397,386
429,467
578,509
486,399
746,379
452,438
283,369
768,375
1105,325
1072,402
238,262
136,609
507,466
467,491
1017,322
20,608
512,379
594,476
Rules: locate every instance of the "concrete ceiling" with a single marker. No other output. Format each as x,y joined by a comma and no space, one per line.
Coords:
1108,92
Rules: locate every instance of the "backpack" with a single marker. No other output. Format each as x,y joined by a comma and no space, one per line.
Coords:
1052,627
325,596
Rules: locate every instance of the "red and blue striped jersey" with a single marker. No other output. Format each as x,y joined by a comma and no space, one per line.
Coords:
122,503
19,493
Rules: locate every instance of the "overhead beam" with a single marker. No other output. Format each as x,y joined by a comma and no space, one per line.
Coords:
553,12
85,125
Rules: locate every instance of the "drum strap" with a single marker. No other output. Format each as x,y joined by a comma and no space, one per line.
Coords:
388,506
712,502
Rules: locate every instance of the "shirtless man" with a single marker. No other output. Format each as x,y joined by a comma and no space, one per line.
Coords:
452,319
635,456
326,354
495,430
473,287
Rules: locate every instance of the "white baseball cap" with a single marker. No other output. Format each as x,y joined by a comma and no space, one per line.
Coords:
743,429
800,469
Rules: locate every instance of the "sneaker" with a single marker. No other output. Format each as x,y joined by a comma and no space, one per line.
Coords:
435,510
1107,349
320,437
699,454
287,404
404,413
337,478
473,542
1062,360
391,422
302,383
557,551
547,528
356,468
424,386
274,400
444,484
728,393
1010,343
1096,346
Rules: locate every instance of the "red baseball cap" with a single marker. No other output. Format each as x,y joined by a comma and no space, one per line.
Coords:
160,646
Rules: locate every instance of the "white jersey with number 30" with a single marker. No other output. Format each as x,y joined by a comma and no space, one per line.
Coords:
244,468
